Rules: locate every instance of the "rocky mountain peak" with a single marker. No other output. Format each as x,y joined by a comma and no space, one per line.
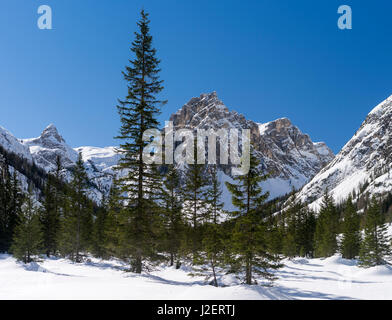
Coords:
209,112
48,146
281,123
198,111
51,133
289,155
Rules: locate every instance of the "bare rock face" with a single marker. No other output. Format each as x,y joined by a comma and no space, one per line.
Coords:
285,152
363,166
208,112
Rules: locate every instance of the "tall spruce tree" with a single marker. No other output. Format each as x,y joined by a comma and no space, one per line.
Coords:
11,198
99,230
114,223
351,240
76,224
173,220
275,235
28,236
299,232
50,217
138,113
291,241
309,228
213,244
325,237
376,244
249,239
195,203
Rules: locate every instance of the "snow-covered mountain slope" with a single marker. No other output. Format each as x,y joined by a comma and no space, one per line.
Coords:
285,152
363,165
47,147
12,144
44,150
99,162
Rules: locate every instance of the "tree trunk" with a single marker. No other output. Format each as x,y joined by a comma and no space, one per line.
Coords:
248,272
138,264
214,274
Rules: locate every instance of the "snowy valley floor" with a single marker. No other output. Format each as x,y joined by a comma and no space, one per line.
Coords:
332,278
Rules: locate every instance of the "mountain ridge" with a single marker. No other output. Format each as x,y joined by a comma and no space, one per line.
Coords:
282,147
363,166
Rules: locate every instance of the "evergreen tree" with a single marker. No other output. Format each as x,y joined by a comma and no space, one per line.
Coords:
213,240
50,217
214,196
51,210
99,231
194,193
16,202
76,225
326,228
249,240
299,233
138,113
289,245
291,241
114,223
28,237
351,235
10,204
308,231
174,224
376,244
275,235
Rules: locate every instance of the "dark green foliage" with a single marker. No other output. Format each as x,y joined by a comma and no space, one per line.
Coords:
10,204
213,244
28,236
114,224
290,245
249,238
386,207
376,244
325,237
299,231
51,211
99,231
76,223
138,113
351,240
173,222
275,235
195,204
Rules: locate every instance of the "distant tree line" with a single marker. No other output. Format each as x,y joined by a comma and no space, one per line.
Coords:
338,229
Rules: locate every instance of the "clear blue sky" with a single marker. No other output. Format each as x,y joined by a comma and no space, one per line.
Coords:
266,59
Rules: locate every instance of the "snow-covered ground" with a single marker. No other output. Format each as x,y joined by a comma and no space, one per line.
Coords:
331,278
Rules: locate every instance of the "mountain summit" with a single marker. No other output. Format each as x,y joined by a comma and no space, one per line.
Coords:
288,154
48,146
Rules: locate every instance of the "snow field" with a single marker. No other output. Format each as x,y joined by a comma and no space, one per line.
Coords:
331,278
